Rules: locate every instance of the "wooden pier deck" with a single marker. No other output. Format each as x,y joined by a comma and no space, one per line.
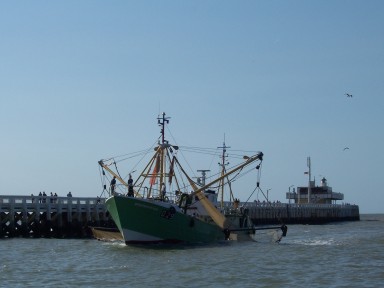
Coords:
72,217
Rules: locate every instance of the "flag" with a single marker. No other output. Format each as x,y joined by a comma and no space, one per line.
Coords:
171,172
155,171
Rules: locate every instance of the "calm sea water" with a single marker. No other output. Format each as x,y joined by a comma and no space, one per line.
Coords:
348,254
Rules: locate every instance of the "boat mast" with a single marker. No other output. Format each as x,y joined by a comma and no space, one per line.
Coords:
162,121
309,178
223,164
203,176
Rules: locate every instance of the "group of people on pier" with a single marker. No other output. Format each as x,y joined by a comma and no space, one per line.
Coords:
42,197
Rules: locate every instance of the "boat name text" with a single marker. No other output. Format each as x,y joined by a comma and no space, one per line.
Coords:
146,207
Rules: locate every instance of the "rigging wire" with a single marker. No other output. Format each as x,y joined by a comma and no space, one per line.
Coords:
258,167
117,170
145,153
131,154
181,151
191,149
102,180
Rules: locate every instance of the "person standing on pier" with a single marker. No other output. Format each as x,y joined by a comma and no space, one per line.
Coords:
113,184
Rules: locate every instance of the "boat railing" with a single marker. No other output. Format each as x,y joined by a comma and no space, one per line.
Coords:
171,197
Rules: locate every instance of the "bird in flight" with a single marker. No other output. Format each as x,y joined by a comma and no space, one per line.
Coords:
346,148
348,95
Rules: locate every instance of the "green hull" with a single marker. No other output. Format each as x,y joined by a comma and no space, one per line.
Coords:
150,221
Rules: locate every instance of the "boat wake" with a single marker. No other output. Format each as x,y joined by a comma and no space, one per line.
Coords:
316,242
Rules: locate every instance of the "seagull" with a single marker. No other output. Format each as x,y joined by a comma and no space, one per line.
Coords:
345,148
348,95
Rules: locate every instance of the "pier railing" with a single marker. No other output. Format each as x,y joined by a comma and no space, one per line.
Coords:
4,199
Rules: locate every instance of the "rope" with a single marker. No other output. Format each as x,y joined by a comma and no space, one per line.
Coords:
258,167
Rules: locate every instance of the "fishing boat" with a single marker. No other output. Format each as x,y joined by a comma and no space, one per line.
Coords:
165,205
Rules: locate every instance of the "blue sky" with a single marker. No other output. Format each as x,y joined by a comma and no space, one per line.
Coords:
85,80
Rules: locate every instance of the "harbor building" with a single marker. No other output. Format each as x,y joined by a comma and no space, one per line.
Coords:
322,194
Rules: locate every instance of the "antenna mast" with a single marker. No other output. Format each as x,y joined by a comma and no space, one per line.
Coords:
223,171
309,178
203,176
162,121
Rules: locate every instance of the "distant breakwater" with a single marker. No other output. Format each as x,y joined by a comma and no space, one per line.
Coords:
72,217
278,213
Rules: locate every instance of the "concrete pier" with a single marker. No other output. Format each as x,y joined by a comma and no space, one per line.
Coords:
277,213
72,217
59,217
